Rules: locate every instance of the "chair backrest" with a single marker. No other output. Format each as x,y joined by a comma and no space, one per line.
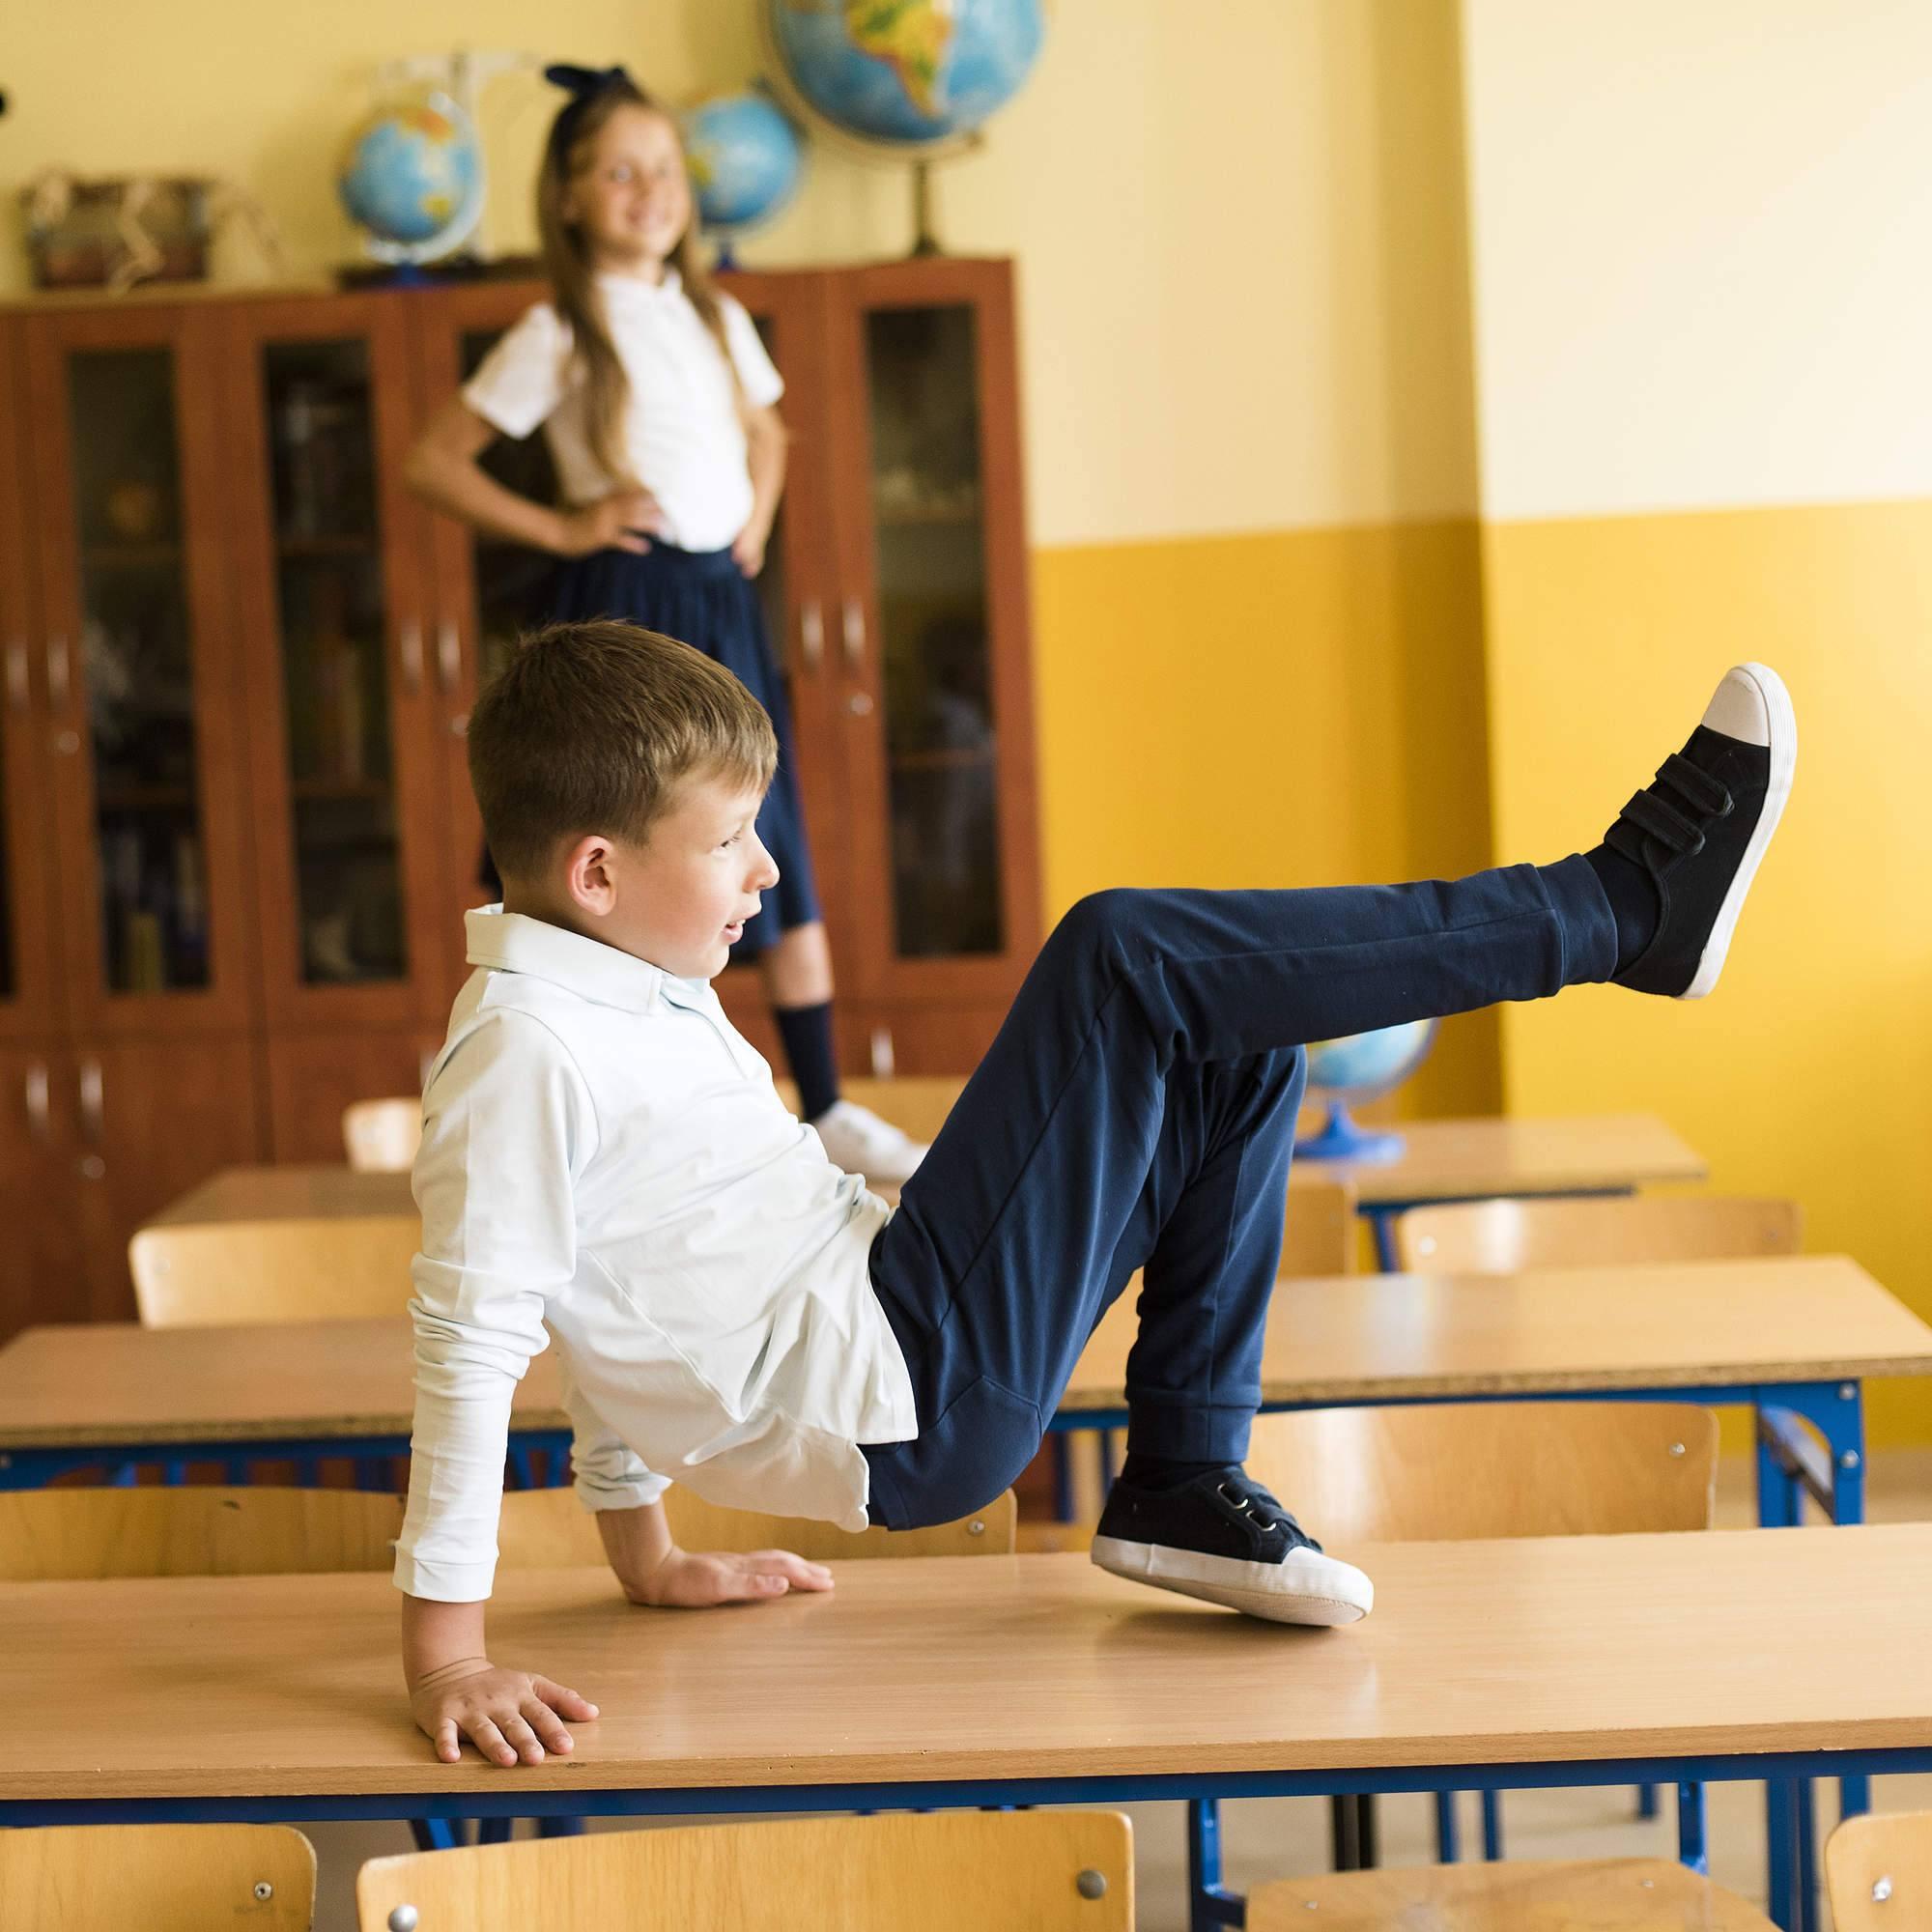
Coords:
1502,1237
1630,1895
336,1268
1032,1871
163,1878
382,1136
1878,1868
1449,1471
1322,1234
551,1530
84,1535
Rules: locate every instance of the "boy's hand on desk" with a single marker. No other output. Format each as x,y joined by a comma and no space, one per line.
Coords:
686,1579
508,1714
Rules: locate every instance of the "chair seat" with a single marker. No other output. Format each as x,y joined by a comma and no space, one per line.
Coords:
1576,1896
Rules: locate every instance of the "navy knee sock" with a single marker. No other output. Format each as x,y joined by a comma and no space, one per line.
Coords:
807,1033
1633,897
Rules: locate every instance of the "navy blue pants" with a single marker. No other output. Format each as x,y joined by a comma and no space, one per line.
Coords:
1137,1109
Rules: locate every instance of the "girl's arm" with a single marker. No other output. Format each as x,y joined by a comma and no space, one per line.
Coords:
765,440
444,471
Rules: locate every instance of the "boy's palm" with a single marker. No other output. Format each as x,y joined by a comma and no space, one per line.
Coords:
689,1581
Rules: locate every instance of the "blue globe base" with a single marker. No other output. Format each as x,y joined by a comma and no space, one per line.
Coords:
1341,1139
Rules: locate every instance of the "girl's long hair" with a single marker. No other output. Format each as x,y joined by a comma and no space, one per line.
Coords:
573,276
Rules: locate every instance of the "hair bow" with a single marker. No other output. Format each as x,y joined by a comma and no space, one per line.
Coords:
581,82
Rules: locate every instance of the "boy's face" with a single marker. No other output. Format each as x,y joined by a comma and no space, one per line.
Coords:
681,898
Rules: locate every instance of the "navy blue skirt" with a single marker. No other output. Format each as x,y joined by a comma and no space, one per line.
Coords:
705,600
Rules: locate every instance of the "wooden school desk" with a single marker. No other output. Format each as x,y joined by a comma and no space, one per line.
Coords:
1590,1659
1442,1160
1798,1333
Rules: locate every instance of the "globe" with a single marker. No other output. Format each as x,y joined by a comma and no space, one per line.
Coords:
745,162
1361,1067
412,178
910,74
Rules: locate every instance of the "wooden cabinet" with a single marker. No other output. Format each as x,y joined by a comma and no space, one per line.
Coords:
236,665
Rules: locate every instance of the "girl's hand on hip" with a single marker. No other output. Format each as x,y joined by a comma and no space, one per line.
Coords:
747,548
688,1581
509,1716
617,521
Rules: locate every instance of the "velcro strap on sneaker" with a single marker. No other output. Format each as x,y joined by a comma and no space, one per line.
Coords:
1665,823
1695,785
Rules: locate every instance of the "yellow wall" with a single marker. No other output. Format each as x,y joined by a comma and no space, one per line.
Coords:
1703,273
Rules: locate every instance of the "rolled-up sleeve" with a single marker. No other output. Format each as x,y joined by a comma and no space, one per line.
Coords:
606,1471
508,1123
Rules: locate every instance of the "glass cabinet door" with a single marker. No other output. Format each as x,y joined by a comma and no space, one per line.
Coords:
337,655
137,665
931,625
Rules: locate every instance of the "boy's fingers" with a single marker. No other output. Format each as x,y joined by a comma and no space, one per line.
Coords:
543,1720
491,1741
803,1575
564,1702
448,1744
522,1740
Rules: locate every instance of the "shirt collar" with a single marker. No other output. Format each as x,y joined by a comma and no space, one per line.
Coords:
512,942
630,287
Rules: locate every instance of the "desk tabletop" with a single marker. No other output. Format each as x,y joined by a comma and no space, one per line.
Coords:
1331,1340
1657,1325
1443,1160
1548,1651
1440,1160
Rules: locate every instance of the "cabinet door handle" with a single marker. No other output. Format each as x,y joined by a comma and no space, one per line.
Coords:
93,1111
409,649
17,673
811,635
40,1117
59,682
448,654
853,621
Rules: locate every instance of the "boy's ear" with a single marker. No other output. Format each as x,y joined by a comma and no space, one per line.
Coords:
590,873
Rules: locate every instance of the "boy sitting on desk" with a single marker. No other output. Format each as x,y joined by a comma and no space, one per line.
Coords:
605,1164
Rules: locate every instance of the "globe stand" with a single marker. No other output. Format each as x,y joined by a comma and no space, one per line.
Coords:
1341,1139
925,241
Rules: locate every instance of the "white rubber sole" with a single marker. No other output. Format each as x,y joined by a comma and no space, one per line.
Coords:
1305,1588
1782,744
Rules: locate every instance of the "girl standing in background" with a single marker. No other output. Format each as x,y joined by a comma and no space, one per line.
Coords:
660,406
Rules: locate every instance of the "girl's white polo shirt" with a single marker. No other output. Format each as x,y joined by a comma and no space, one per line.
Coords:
682,430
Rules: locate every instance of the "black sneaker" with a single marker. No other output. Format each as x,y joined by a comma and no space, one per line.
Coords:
1223,1537
1702,828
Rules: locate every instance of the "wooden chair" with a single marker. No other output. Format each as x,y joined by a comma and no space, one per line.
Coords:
73,1535
202,1274
1457,1472
163,1878
1878,1870
953,1872
1505,1237
1612,1895
551,1530
382,1136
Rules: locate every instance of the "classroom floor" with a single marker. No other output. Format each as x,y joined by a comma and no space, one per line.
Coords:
1273,1837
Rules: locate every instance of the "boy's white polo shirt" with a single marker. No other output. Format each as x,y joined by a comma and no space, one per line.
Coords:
682,434
603,1158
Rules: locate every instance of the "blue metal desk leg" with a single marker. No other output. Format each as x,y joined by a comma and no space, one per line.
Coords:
1692,1829
1448,1844
1209,1906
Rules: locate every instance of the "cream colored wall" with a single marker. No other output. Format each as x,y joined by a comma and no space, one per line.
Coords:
1703,252
1238,227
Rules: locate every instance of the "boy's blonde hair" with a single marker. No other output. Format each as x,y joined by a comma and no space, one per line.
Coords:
590,728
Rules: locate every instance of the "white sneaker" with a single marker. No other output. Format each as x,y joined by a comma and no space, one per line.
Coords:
858,1140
